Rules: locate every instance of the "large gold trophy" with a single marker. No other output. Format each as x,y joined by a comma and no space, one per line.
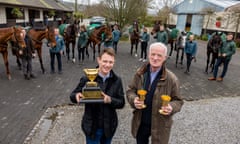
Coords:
165,101
91,91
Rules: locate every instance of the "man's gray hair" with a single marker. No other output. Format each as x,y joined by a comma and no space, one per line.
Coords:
160,45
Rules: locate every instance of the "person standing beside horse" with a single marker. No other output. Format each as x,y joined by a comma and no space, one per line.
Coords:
27,55
116,36
224,56
144,43
190,51
82,43
162,35
57,51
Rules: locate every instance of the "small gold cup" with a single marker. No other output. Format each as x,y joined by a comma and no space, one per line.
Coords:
165,101
91,74
142,94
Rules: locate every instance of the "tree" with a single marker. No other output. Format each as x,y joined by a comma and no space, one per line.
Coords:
235,14
208,12
125,11
165,7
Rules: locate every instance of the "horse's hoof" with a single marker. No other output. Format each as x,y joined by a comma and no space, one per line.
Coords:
73,60
9,77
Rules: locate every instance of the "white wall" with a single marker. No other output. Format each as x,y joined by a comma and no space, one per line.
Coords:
3,19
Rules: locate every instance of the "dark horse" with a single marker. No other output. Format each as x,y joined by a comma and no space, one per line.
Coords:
95,38
134,37
14,35
213,46
36,36
180,45
70,34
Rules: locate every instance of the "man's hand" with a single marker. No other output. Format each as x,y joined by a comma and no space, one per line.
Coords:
106,98
137,103
79,96
167,109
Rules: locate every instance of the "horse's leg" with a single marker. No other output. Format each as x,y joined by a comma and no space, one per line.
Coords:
214,57
67,50
18,62
136,48
39,51
182,56
73,52
171,50
5,58
208,59
177,56
99,47
94,52
131,47
87,54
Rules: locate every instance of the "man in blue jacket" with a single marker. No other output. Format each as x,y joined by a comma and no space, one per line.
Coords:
190,51
57,51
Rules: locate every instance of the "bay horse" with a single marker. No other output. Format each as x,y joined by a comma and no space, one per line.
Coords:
134,38
95,38
36,35
70,34
14,35
213,46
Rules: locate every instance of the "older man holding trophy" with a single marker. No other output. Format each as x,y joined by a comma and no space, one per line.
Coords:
154,96
101,91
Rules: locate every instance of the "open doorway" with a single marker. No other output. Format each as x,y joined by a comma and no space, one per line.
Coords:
188,22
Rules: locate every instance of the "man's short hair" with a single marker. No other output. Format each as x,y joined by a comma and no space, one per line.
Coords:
159,44
109,51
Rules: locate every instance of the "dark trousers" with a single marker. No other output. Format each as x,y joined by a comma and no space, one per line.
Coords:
99,138
144,132
144,49
225,62
180,53
81,53
115,43
59,60
189,61
27,66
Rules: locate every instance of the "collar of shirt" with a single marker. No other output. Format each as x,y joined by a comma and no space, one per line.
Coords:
104,77
154,74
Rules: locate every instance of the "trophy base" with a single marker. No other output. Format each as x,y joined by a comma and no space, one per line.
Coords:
91,101
162,112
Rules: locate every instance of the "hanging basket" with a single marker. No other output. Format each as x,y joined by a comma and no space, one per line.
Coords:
218,24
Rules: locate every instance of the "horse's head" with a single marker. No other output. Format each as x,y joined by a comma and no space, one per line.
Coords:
108,31
215,43
18,37
50,36
155,29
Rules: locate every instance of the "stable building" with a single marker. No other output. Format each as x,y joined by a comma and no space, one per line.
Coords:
39,12
191,15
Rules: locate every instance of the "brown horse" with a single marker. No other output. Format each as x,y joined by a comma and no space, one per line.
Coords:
70,34
12,34
95,38
36,36
134,38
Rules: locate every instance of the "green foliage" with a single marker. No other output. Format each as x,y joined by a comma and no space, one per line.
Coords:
51,13
77,15
204,37
17,13
237,41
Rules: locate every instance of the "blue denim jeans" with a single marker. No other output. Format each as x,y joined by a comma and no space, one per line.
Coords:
225,62
59,60
99,138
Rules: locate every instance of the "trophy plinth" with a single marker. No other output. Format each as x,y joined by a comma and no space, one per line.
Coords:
91,91
142,94
165,100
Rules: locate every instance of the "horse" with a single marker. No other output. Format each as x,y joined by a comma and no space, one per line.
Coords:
180,44
14,35
134,38
36,35
171,36
95,38
213,46
70,34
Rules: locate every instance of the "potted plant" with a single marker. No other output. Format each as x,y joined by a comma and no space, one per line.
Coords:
17,13
218,21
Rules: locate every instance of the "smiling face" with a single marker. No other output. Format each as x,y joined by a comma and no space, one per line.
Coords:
157,55
106,61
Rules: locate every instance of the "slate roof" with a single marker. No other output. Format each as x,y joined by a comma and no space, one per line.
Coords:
43,4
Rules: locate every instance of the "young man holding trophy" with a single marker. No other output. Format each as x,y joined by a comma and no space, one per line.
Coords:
154,96
102,92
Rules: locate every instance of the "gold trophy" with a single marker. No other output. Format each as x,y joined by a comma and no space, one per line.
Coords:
91,91
165,100
142,94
